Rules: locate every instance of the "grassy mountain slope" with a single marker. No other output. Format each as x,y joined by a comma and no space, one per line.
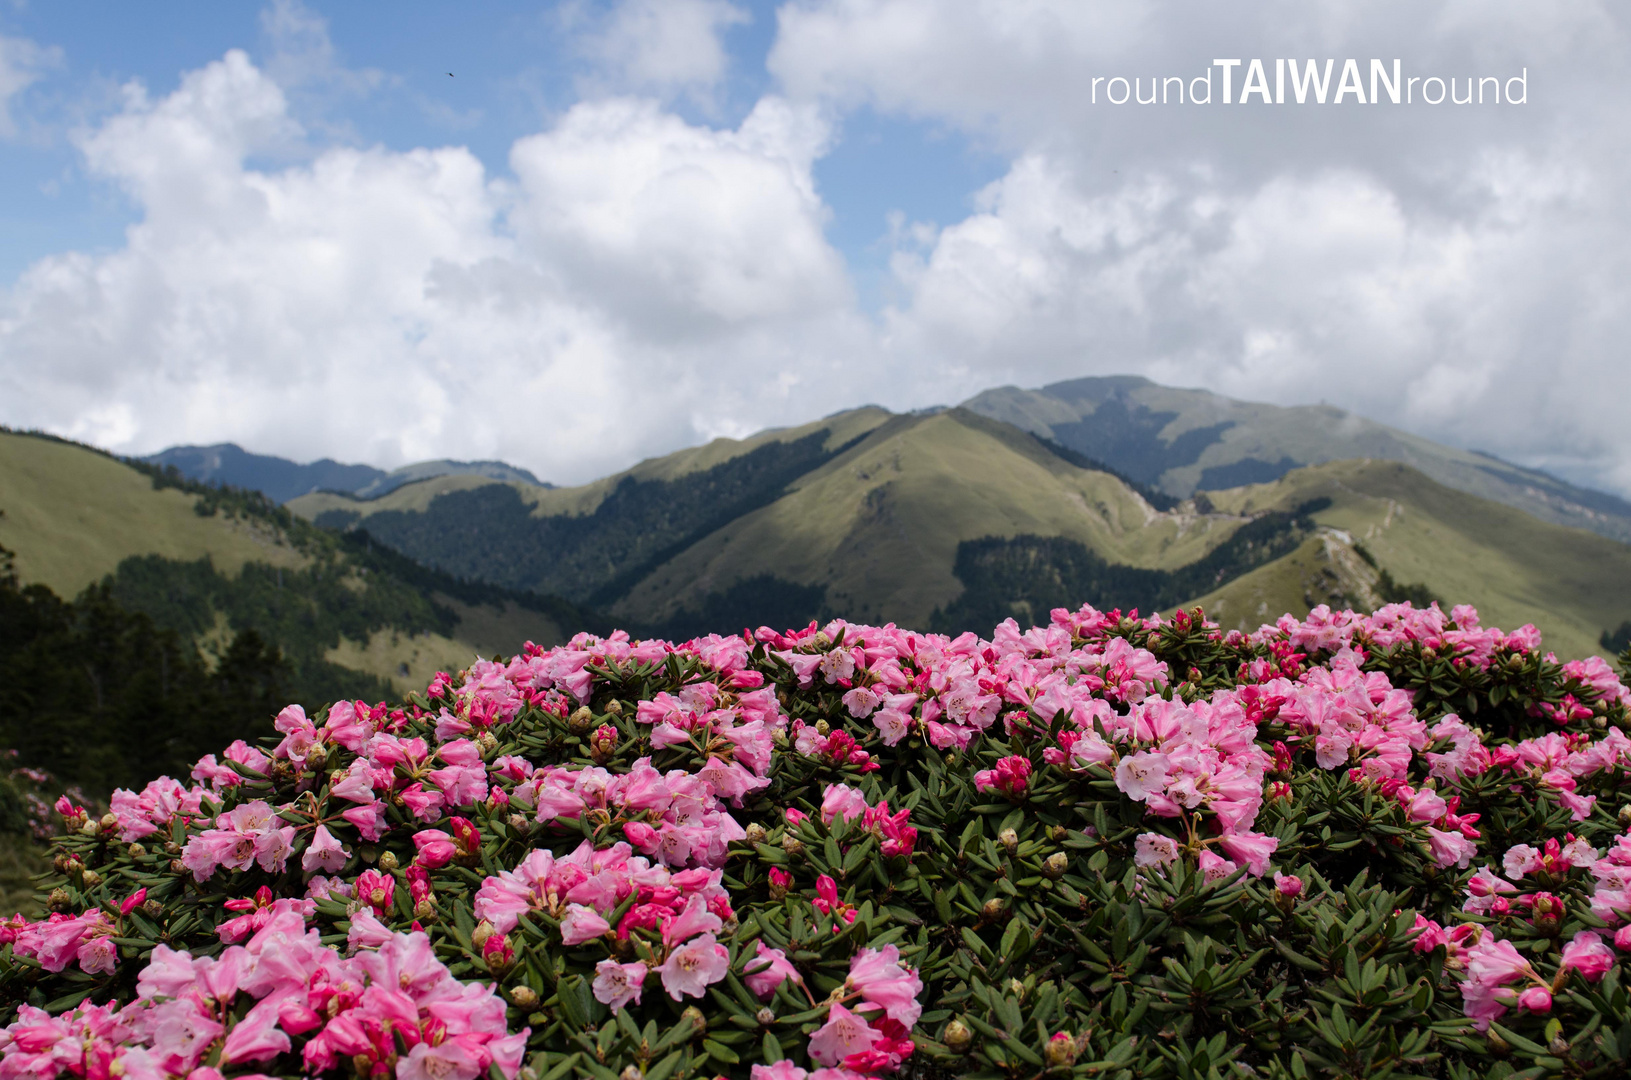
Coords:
1187,440
72,515
585,499
886,517
878,527
348,614
1516,569
592,543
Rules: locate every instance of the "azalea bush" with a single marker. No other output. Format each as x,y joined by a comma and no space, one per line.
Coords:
1349,845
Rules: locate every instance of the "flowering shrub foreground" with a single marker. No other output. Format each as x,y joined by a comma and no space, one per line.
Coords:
1349,845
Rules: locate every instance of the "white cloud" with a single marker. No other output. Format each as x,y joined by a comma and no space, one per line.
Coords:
1492,329
677,228
663,47
1457,272
22,64
643,282
381,306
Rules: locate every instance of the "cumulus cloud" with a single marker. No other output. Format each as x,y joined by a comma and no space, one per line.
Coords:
22,63
620,297
1458,272
637,281
662,47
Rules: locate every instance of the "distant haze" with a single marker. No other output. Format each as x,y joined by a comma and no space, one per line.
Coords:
627,228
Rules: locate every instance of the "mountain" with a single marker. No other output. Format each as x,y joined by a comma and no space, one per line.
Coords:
281,480
1183,441
953,520
349,616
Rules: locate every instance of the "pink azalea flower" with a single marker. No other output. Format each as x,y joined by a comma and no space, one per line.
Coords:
843,1034
1589,955
582,924
435,848
1251,849
324,852
1153,849
768,969
842,800
781,1070
1010,776
1142,774
882,981
448,1061
1450,848
692,967
1537,999
616,985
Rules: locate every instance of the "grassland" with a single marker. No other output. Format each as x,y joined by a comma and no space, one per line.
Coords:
880,524
1513,567
74,517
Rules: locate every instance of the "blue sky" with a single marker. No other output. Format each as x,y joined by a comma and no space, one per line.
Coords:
629,226
514,67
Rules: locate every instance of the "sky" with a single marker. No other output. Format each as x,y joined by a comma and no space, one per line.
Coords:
574,235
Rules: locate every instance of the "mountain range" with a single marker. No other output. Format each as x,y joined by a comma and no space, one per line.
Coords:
1183,441
1093,490
1115,491
281,480
348,615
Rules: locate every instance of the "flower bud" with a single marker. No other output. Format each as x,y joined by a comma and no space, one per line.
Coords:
957,1037
1054,866
764,1017
1016,988
603,743
90,828
486,743
59,899
755,833
1061,1050
632,1072
153,909
523,996
1058,834
793,845
110,821
992,908
316,758
91,879
387,861
363,1064
483,931
172,848
614,708
1009,839
177,867
693,1016
519,823
424,909
1625,816
823,728
136,851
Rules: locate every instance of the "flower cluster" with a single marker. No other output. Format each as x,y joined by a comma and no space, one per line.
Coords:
801,854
